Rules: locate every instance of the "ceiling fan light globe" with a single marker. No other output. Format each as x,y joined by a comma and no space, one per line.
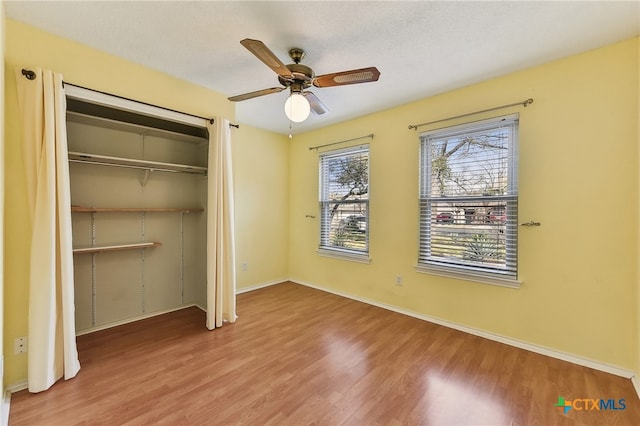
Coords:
297,108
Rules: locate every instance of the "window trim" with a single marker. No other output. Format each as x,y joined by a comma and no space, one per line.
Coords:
473,276
336,253
470,272
361,256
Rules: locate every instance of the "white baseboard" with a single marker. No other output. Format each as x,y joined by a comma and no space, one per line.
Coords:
495,337
259,286
6,400
636,384
4,409
133,319
17,387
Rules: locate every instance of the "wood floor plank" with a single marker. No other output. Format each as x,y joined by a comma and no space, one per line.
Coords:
300,356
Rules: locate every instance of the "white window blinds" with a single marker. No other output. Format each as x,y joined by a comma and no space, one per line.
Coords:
469,198
344,200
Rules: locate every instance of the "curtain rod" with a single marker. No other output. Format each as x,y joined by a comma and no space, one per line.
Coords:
347,140
210,120
30,75
524,103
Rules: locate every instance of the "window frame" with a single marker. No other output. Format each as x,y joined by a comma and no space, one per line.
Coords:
324,247
456,267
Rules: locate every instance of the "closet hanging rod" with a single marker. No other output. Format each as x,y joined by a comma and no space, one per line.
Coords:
524,103
30,75
344,141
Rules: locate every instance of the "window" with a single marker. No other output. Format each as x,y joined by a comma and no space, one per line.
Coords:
469,200
344,202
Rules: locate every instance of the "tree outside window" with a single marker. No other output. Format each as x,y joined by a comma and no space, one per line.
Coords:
344,200
468,198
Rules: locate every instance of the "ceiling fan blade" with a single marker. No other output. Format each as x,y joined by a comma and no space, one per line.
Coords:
255,94
262,52
316,105
362,75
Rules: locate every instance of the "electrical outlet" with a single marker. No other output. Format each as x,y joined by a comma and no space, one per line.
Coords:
399,280
20,345
244,266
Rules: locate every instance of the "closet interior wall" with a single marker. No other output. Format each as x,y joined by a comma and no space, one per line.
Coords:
117,286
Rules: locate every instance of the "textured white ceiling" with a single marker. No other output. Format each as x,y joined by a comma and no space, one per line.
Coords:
420,47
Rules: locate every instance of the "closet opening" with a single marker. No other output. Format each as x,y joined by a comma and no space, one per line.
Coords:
139,197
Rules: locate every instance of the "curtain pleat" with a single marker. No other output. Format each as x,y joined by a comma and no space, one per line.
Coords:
221,274
52,342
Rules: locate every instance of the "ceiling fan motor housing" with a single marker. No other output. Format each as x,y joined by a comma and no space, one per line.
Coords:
302,77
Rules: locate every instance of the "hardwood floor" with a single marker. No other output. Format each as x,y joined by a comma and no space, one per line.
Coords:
299,356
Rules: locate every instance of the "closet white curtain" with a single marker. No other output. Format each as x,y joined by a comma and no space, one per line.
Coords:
221,272
52,339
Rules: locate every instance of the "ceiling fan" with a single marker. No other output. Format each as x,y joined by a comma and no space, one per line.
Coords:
297,77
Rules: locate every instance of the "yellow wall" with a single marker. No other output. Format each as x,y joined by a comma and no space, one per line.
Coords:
637,295
578,177
2,24
261,162
30,47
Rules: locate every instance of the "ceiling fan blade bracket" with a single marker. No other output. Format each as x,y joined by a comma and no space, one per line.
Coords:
286,82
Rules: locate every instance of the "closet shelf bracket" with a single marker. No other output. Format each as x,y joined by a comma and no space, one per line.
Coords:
145,177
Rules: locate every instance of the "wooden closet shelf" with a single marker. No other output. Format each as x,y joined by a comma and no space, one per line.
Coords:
137,209
105,160
115,247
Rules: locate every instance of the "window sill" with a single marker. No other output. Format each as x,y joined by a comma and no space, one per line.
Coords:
469,276
345,255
